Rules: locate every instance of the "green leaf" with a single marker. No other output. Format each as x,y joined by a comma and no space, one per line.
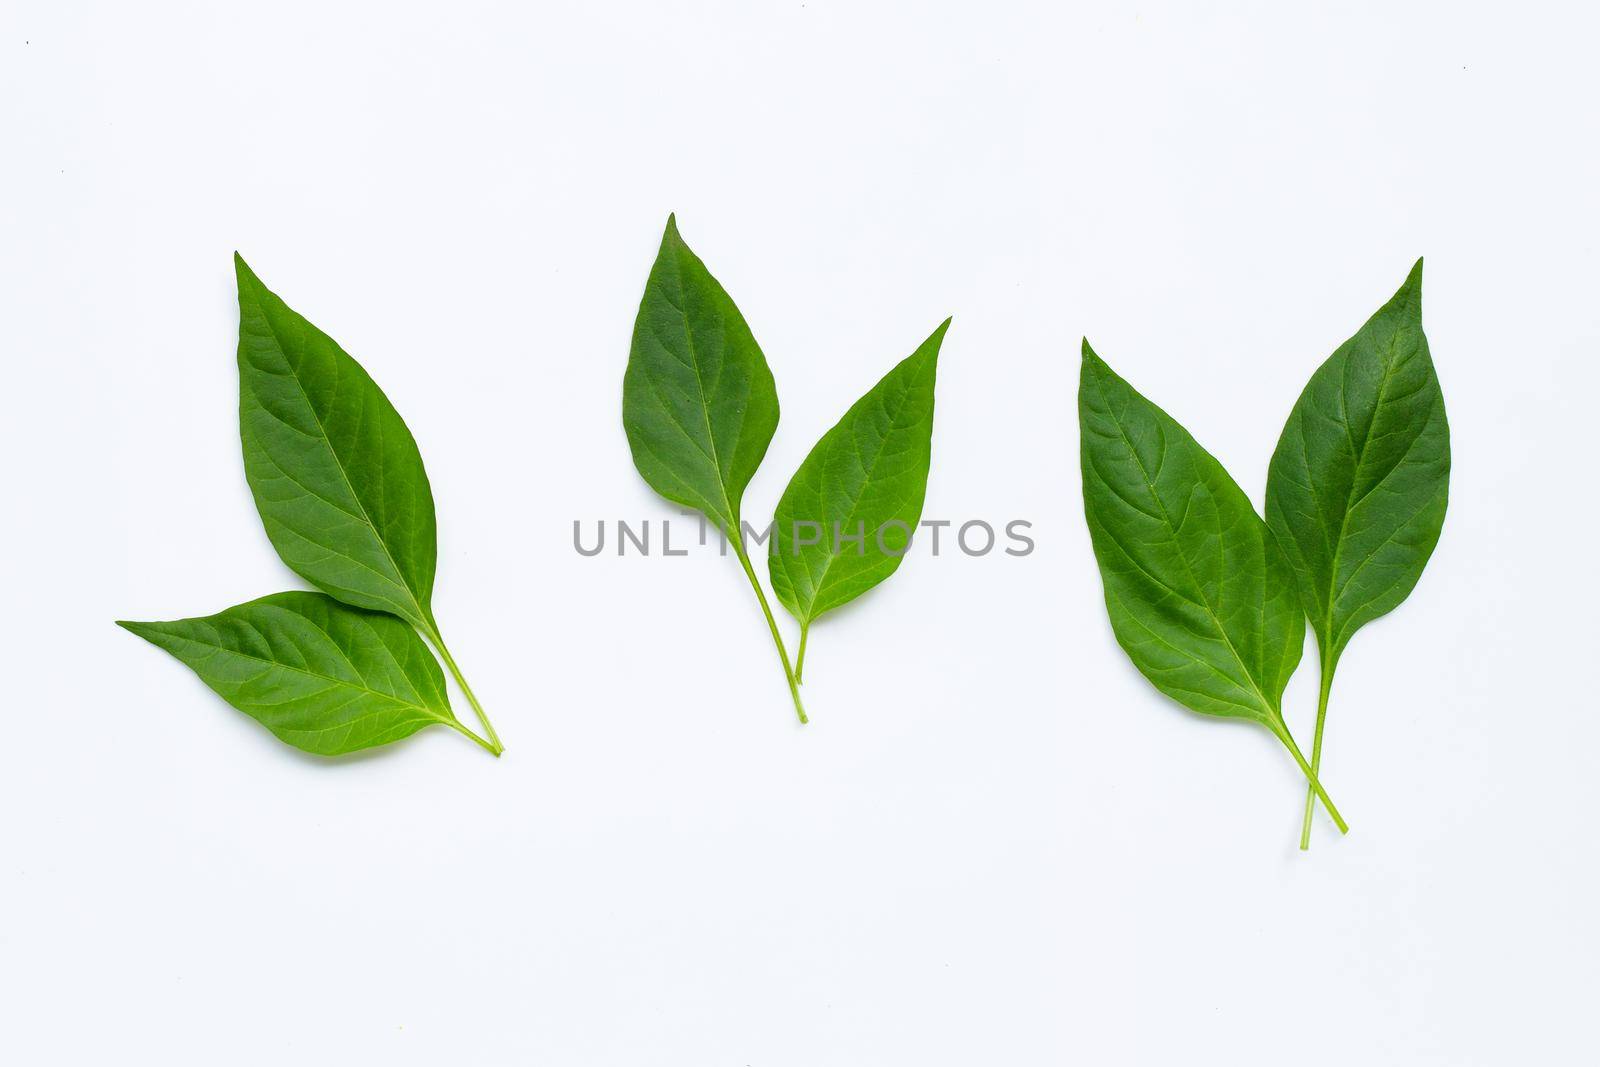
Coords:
698,401
1199,593
1200,596
335,472
323,677
1359,482
845,521
1360,479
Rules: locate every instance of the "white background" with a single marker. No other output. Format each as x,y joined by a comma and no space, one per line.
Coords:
996,844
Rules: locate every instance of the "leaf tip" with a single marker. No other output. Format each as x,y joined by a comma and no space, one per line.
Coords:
242,271
671,238
137,629
1089,355
927,352
1409,295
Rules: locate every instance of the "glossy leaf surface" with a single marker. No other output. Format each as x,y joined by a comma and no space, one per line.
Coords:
1199,594
698,402
334,471
1359,482
322,676
846,519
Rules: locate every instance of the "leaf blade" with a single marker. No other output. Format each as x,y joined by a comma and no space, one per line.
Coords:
321,676
1197,590
868,477
699,404
1358,485
335,473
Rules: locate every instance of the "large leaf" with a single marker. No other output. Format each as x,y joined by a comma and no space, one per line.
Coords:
335,473
1359,482
323,677
1200,596
845,521
698,401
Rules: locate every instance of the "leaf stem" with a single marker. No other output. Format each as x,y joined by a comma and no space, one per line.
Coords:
493,744
1311,776
800,656
772,624
459,728
1316,752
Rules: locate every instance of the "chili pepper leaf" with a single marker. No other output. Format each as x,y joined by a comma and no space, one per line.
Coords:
1358,485
1200,595
698,401
323,677
846,519
334,471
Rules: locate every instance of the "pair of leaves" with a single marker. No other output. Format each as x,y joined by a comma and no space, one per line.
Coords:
700,408
343,494
1208,600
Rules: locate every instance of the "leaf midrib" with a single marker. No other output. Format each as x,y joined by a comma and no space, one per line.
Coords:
1212,667
430,712
729,510
1349,501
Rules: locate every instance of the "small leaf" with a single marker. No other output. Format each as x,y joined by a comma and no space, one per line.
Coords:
323,677
1200,596
334,471
1360,479
698,401
845,521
